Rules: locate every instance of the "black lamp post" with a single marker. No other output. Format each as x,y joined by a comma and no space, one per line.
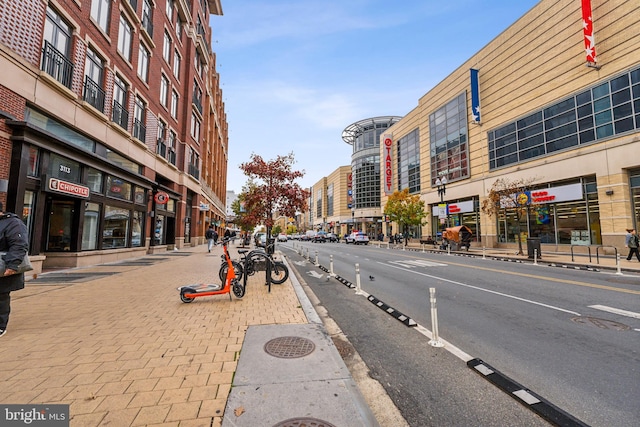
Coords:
441,183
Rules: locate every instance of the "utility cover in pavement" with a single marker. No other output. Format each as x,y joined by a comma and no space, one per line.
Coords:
289,347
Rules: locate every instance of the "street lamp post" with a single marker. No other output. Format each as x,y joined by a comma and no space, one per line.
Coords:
353,223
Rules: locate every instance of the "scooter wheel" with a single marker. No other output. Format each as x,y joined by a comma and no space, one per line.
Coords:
237,267
238,290
183,296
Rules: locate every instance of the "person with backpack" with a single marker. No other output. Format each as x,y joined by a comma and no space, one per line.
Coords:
631,242
211,237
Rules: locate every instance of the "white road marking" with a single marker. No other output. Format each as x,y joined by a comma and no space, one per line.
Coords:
417,263
616,311
314,274
484,290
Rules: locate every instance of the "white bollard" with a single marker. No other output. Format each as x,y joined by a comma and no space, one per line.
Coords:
435,340
331,273
619,271
535,257
422,247
483,254
317,258
448,248
358,286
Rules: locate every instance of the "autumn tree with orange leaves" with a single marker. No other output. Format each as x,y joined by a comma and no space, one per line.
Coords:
272,188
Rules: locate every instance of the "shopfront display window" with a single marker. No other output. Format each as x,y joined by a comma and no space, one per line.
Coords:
137,228
116,227
159,230
118,188
63,168
34,161
94,181
139,196
59,236
90,227
28,210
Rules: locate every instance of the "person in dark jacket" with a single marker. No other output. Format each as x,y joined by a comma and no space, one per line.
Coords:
13,241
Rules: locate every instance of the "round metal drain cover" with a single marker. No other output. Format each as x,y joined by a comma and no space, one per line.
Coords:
303,422
289,348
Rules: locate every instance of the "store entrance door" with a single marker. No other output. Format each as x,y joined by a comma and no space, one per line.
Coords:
60,236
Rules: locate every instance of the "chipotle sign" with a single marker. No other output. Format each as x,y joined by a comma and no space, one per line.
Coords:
69,188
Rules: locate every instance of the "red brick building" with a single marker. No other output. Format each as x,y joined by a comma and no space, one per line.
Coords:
113,134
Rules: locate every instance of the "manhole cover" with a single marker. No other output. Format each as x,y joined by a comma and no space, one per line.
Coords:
601,323
303,422
289,348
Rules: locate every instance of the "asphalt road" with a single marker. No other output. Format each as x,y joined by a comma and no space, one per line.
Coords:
555,331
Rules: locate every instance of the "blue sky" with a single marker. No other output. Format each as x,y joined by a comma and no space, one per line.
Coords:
296,73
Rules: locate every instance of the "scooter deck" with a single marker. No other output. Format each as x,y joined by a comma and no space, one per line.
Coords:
203,287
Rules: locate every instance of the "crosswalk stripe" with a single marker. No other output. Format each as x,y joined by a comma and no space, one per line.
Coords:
417,263
616,311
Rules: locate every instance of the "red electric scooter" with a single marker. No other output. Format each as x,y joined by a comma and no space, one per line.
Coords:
231,284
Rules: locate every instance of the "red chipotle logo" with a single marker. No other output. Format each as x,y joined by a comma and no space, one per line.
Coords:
68,188
388,168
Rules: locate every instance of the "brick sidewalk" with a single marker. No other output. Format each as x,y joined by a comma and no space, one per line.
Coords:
123,350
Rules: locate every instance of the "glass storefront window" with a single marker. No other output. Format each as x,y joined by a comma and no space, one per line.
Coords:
118,188
116,227
137,228
542,223
94,181
159,230
139,195
90,227
171,205
64,169
34,161
28,210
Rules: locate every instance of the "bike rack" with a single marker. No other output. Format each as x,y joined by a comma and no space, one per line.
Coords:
597,251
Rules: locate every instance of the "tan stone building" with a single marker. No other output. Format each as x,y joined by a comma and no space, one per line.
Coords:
329,204
547,111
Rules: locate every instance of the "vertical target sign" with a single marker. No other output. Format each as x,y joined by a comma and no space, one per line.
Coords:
388,164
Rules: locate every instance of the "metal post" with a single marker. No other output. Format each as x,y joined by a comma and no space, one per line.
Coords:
358,286
422,247
483,254
317,258
535,256
618,264
331,273
448,248
435,341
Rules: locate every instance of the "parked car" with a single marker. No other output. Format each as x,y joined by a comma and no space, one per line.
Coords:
260,239
331,237
282,237
319,237
357,238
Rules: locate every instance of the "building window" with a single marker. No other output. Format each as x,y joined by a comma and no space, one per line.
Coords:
94,181
179,27
143,63
319,204
139,112
55,49
120,114
194,163
174,104
90,227
195,126
608,109
125,38
169,10
166,47
147,17
164,90
116,227
176,64
366,181
118,188
409,162
197,96
171,148
448,141
330,200
161,145
100,11
93,77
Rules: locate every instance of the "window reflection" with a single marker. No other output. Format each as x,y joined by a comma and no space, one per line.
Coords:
116,227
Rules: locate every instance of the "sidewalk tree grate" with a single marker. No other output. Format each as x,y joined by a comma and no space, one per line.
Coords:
304,422
289,347
69,277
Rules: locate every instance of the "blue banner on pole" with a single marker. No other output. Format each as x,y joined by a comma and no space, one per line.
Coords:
475,96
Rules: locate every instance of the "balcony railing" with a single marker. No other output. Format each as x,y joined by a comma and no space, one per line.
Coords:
139,130
161,148
56,64
171,156
194,171
93,94
147,25
120,115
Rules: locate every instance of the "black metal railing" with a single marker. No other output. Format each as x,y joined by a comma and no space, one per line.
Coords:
56,64
147,25
171,156
120,115
139,130
194,171
161,148
93,94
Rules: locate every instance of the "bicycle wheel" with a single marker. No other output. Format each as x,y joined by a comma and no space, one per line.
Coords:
279,273
237,267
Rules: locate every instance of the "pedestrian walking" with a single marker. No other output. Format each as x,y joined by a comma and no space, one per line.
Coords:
15,242
631,242
210,236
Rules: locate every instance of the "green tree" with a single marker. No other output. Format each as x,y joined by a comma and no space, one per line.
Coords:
406,210
272,188
513,195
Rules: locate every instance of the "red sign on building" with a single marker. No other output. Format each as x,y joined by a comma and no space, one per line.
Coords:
388,165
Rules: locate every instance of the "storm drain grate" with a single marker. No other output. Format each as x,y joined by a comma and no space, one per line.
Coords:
304,422
138,262
69,277
289,347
